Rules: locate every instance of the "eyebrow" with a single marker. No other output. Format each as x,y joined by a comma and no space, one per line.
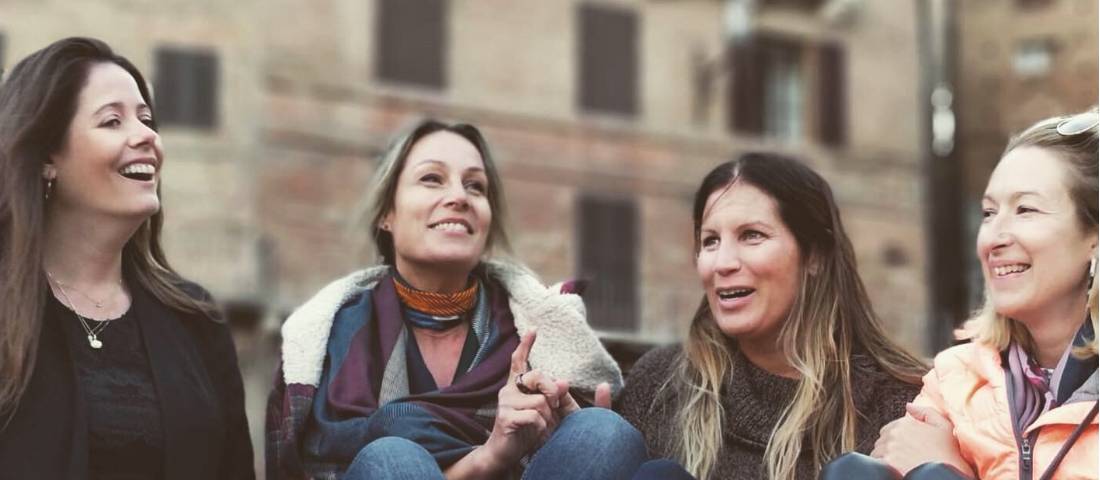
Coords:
1015,195
118,105
442,163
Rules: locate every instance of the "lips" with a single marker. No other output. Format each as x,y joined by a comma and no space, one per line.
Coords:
139,170
1002,271
456,225
732,298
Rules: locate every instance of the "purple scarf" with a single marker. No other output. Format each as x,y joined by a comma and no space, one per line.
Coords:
364,394
1033,392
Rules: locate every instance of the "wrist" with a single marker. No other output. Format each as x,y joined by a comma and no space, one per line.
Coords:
485,462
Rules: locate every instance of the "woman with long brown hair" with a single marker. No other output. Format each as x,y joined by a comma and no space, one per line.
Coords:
785,365
111,365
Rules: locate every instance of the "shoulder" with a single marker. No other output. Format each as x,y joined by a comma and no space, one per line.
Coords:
650,372
962,357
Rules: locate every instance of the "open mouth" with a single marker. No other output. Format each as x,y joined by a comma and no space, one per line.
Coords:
452,226
1006,270
735,293
142,172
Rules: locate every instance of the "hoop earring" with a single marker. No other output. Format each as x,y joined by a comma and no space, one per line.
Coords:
49,187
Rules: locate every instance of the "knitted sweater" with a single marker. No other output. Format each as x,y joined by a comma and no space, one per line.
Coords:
753,402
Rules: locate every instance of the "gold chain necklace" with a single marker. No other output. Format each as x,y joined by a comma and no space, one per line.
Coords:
92,331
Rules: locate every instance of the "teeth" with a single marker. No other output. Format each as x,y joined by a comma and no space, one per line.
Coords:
138,168
1009,269
734,292
450,227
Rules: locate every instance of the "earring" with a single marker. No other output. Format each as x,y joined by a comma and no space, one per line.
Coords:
49,187
386,227
1092,272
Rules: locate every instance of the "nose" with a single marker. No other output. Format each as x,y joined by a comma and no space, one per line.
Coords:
727,261
994,236
143,135
457,196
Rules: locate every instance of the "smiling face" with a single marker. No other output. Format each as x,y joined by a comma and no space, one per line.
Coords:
1033,250
111,156
749,263
441,215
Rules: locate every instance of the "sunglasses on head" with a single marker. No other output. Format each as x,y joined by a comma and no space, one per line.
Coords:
1079,124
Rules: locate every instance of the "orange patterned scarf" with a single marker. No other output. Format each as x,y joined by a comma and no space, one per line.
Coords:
437,304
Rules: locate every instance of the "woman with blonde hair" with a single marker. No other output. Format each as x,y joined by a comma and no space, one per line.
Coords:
427,365
1020,399
785,365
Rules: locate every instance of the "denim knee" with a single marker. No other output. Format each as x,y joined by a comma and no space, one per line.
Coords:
602,425
392,458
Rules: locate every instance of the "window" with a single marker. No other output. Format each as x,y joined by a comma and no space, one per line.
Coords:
1033,57
186,87
608,38
608,241
769,90
411,42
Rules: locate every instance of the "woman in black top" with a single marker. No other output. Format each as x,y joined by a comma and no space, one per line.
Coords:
111,365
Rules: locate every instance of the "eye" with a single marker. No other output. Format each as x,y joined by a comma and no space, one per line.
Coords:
709,241
432,178
149,122
1025,209
111,122
752,236
476,186
988,213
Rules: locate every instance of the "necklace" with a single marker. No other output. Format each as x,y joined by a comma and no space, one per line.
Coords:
98,303
92,331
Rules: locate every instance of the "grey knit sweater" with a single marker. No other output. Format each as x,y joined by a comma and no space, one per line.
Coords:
753,401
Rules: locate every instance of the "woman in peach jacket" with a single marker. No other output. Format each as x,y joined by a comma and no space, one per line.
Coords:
1020,400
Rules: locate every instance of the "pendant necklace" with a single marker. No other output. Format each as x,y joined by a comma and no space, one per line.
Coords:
92,331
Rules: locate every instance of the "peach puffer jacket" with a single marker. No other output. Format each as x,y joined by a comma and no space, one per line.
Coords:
968,385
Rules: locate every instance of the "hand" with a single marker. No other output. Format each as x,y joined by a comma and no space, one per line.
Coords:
568,405
922,436
524,420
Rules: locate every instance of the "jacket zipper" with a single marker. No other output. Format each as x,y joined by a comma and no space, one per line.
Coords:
1023,444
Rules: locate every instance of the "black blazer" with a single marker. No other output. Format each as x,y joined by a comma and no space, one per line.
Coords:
198,384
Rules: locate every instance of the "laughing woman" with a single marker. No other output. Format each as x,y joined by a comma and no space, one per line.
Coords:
111,365
1020,400
785,365
428,365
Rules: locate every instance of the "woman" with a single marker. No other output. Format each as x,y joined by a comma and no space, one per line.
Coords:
416,368
785,364
111,365
1020,400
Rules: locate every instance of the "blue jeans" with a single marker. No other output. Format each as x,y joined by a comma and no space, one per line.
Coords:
593,443
393,458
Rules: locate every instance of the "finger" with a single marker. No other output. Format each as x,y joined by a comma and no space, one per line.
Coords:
603,395
539,404
519,356
535,381
567,404
928,415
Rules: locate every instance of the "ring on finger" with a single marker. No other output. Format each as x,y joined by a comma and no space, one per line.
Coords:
523,388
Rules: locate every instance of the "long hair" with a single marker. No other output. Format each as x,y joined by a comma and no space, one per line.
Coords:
831,319
37,102
1079,154
382,190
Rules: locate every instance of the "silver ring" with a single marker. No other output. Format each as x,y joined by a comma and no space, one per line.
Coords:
521,386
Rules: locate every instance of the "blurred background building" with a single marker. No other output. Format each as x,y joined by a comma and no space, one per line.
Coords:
603,116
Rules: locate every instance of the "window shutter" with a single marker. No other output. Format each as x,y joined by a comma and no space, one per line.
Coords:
833,96
746,99
411,42
608,234
608,59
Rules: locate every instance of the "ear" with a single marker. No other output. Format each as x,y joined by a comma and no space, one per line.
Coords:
386,223
814,264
